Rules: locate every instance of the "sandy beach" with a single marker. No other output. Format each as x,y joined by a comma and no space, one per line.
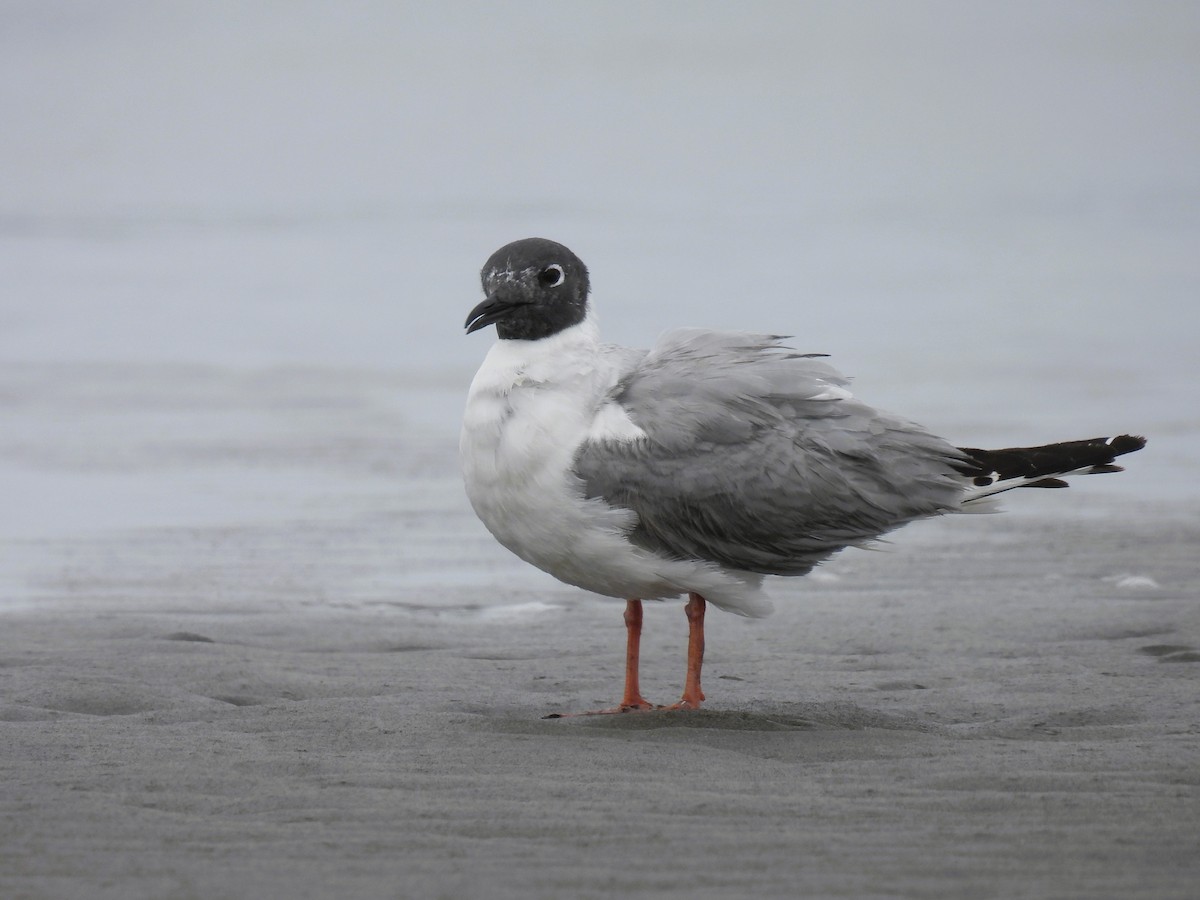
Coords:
340,690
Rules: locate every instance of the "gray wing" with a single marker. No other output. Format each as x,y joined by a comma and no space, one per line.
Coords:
756,457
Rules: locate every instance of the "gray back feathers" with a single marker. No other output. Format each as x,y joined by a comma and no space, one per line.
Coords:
756,457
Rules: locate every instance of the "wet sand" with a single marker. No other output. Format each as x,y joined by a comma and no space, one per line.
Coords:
293,665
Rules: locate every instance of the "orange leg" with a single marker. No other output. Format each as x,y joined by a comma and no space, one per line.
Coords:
692,695
633,698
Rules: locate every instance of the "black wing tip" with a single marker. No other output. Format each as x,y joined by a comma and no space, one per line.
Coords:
1126,443
1094,456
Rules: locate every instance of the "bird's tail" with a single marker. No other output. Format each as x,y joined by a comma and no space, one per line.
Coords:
991,472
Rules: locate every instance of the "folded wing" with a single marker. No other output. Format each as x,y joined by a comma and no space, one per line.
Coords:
758,458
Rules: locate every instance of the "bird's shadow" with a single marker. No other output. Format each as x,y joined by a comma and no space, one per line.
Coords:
776,717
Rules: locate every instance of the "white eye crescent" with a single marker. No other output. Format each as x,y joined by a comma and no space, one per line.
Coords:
552,276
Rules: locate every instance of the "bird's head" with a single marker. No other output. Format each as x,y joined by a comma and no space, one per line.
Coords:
534,287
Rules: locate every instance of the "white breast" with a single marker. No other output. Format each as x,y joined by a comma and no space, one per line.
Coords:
529,407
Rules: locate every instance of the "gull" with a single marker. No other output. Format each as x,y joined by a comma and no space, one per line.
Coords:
700,466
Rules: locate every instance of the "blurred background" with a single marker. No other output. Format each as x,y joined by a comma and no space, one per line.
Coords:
238,240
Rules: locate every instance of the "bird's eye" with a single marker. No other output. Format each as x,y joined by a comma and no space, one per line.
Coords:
551,276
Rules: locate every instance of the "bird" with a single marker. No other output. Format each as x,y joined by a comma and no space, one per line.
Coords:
698,466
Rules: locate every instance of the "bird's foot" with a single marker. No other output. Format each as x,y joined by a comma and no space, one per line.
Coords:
684,704
691,699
